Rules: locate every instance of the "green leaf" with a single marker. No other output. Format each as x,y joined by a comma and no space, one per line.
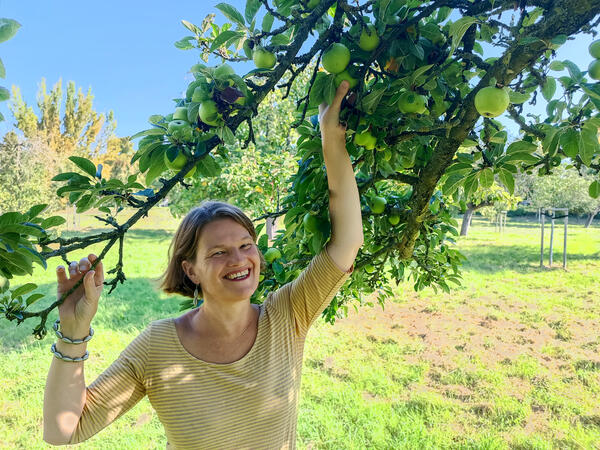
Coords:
150,132
519,156
557,65
329,90
558,40
486,178
570,142
53,221
589,137
84,164
2,70
507,180
223,37
549,88
157,167
25,289
35,210
521,146
231,13
452,183
550,142
4,94
280,39
458,30
371,100
208,167
190,26
252,7
594,189
574,71
8,28
517,97
267,22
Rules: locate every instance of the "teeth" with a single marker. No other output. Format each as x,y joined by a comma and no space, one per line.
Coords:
238,274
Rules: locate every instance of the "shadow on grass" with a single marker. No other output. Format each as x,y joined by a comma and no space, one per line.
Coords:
129,308
492,259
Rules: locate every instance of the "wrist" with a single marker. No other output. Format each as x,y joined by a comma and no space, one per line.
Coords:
71,350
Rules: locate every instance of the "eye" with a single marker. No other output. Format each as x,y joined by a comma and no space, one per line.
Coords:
216,253
247,245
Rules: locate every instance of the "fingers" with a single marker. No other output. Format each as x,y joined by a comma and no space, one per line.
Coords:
99,269
61,274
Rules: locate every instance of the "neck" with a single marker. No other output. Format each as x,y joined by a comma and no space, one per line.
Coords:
225,322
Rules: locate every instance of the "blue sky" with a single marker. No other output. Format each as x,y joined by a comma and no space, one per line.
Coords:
124,51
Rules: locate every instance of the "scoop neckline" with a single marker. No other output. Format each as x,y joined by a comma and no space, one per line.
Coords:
239,361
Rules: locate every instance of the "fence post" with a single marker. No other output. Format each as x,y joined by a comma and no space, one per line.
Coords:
565,241
542,216
552,238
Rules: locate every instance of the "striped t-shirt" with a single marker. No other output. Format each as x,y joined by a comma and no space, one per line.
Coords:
251,403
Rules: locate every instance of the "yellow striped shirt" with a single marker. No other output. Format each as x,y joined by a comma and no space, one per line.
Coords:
250,403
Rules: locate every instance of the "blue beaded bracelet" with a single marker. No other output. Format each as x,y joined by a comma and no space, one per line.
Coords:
69,340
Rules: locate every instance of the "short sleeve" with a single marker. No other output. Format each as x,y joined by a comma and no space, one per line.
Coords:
313,290
116,390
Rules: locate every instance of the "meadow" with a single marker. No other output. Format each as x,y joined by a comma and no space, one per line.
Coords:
508,360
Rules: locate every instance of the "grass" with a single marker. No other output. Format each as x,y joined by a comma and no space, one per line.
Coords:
507,360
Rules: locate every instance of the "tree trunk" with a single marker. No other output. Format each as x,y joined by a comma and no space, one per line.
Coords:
466,222
591,216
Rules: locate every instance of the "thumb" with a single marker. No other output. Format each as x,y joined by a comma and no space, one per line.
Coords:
90,286
340,93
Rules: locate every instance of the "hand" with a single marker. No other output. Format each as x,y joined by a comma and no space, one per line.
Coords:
78,309
329,117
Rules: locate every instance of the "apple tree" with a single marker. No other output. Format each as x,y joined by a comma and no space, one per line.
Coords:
422,130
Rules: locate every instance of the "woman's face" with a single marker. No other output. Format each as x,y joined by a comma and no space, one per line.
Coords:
225,248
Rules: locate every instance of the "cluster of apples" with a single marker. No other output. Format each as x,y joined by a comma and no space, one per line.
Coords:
594,67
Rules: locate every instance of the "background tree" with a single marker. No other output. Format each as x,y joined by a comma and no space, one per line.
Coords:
420,90
490,201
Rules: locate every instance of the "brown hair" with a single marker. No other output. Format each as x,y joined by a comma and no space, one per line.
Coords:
184,245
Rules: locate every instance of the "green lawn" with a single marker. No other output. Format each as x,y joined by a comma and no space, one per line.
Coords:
507,360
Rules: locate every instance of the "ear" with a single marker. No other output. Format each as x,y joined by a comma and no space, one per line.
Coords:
188,269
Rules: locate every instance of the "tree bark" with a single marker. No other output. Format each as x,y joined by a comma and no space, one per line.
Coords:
591,216
466,222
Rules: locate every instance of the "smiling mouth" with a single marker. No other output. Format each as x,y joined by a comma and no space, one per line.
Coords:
240,279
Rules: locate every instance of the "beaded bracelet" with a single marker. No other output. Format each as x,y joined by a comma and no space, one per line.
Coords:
59,355
69,340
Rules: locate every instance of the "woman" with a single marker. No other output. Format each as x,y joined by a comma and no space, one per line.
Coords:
226,374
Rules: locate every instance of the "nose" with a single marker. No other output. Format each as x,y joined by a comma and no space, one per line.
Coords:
236,258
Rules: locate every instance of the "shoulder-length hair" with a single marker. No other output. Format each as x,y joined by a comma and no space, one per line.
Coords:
184,245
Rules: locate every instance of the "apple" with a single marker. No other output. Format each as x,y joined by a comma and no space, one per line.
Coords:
369,268
368,38
180,113
377,204
208,111
393,219
345,75
312,4
201,93
336,58
594,69
594,49
410,102
272,254
180,130
311,223
224,71
192,86
366,139
491,101
175,160
263,59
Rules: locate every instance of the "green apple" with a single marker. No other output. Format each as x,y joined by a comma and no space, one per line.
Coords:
393,219
311,223
366,139
224,71
180,113
368,38
272,254
261,277
410,103
312,4
175,160
336,58
594,49
192,86
345,75
369,268
594,69
263,59
491,101
201,93
180,130
377,204
208,112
